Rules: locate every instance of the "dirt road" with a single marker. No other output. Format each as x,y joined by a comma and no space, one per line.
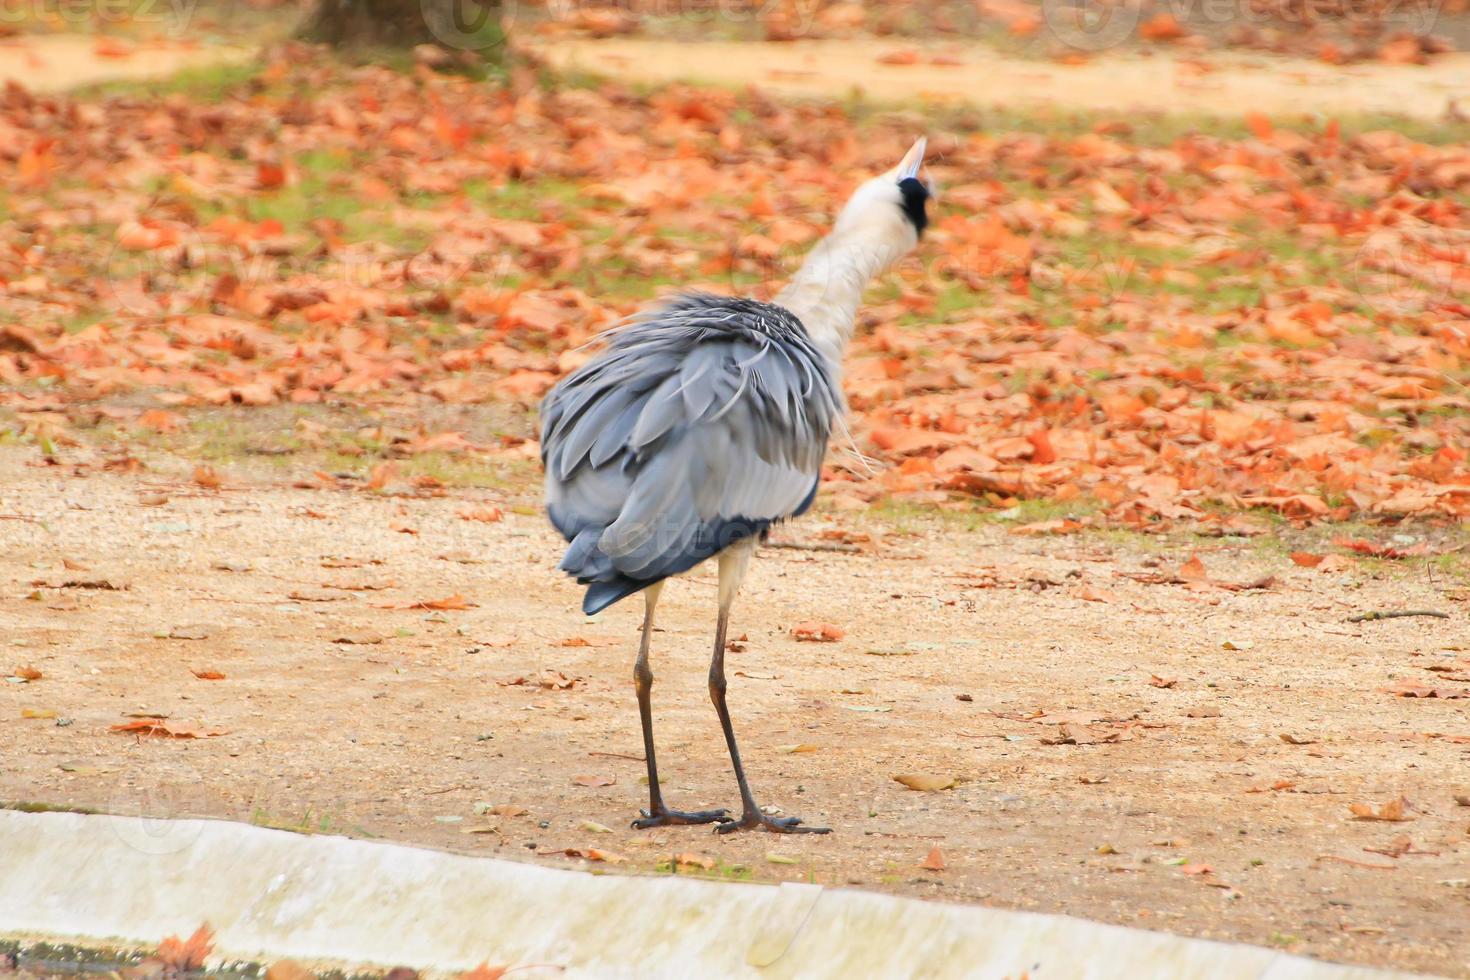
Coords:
1222,736
51,62
1225,84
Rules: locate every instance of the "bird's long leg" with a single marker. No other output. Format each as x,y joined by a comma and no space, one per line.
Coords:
733,563
657,815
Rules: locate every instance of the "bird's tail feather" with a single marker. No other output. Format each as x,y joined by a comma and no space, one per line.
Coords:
600,595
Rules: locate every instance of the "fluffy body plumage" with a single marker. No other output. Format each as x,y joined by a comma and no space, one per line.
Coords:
701,423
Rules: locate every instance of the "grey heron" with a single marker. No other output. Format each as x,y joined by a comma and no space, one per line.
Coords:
701,423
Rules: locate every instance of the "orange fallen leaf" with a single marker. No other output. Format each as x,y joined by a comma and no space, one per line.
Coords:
207,477
187,954
484,972
1060,525
382,475
588,853
1394,811
269,175
487,515
455,601
810,632
157,728
159,420
1162,27
208,675
903,56
926,782
934,861
691,860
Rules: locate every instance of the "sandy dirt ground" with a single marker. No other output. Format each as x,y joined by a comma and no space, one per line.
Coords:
1226,84
1218,84
50,62
1222,736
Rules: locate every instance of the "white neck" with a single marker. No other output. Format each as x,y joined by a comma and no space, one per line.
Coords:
825,292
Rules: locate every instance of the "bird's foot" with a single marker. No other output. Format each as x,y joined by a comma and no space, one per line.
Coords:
771,825
672,818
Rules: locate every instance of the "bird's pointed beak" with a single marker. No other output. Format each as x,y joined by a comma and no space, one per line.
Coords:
912,160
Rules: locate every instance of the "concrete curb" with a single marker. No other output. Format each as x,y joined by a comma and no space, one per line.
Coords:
271,894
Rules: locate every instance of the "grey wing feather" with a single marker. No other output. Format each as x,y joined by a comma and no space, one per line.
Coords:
700,424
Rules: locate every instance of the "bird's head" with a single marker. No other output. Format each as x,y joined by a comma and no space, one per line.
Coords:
892,207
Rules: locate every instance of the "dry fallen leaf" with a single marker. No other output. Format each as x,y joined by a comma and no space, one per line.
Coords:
926,782
934,861
594,780
449,602
187,954
1394,811
359,638
156,728
484,971
588,853
1194,570
817,632
208,675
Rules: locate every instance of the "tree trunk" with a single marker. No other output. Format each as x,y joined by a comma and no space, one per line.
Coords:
468,25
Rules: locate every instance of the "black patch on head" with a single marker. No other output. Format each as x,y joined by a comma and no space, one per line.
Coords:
914,195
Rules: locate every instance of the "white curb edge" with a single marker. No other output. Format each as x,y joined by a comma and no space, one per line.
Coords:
272,894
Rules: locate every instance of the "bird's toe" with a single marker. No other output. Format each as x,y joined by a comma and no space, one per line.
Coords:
769,824
678,818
